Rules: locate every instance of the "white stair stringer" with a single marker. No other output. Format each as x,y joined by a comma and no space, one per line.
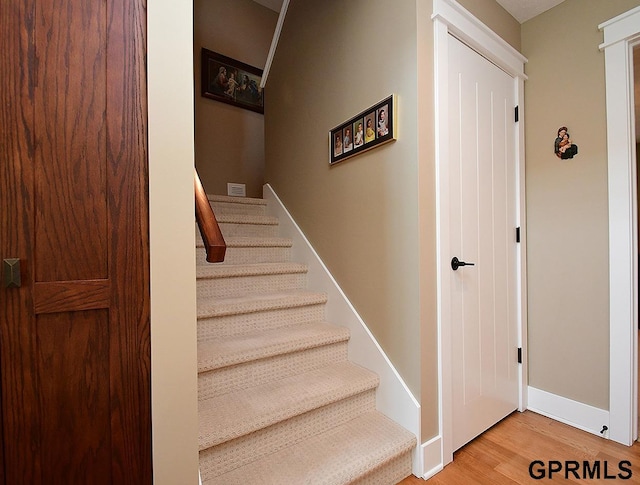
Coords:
279,401
393,397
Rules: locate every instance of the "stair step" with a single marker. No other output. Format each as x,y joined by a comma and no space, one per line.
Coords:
258,372
227,281
239,413
245,225
233,225
247,219
230,363
237,316
237,200
223,204
229,351
259,242
239,452
257,303
339,456
213,271
246,250
254,242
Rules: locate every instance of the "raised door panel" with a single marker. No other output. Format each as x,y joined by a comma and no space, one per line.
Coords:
72,369
70,141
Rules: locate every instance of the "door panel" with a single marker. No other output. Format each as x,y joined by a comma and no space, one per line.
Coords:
70,109
483,221
74,338
73,355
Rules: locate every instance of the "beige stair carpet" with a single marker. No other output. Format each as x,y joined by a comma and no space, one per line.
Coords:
279,402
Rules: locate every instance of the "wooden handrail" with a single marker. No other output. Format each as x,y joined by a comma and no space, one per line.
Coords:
209,229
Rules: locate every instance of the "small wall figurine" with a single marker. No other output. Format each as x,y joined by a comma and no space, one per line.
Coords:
563,147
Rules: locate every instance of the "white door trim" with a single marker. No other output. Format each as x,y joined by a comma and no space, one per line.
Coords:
451,18
620,33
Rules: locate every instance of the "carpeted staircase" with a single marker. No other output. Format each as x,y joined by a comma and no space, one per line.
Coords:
279,402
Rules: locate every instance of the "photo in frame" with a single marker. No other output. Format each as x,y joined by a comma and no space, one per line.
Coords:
368,129
230,81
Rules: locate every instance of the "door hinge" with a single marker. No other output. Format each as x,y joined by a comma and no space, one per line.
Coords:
517,234
519,355
516,110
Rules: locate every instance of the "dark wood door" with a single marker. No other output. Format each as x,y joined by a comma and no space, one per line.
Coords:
74,338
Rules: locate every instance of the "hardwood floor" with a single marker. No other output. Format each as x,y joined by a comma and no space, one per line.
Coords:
504,454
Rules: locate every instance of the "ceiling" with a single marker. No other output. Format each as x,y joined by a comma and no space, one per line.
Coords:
521,10
274,5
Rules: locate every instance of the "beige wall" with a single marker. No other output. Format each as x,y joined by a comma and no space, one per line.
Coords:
371,218
334,60
174,369
567,221
496,18
230,140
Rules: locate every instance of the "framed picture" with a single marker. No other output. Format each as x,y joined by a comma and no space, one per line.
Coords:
368,129
230,81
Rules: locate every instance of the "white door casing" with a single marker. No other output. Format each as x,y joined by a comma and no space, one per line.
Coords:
450,18
482,225
620,34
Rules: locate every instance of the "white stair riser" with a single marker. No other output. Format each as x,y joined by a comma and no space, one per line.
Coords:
249,285
258,372
243,255
244,209
230,325
241,451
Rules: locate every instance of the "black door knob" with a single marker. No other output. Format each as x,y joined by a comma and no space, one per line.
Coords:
456,263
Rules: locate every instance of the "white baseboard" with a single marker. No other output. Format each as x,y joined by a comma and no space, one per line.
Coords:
393,397
431,453
573,413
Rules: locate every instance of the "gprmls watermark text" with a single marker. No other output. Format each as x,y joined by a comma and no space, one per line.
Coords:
580,470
